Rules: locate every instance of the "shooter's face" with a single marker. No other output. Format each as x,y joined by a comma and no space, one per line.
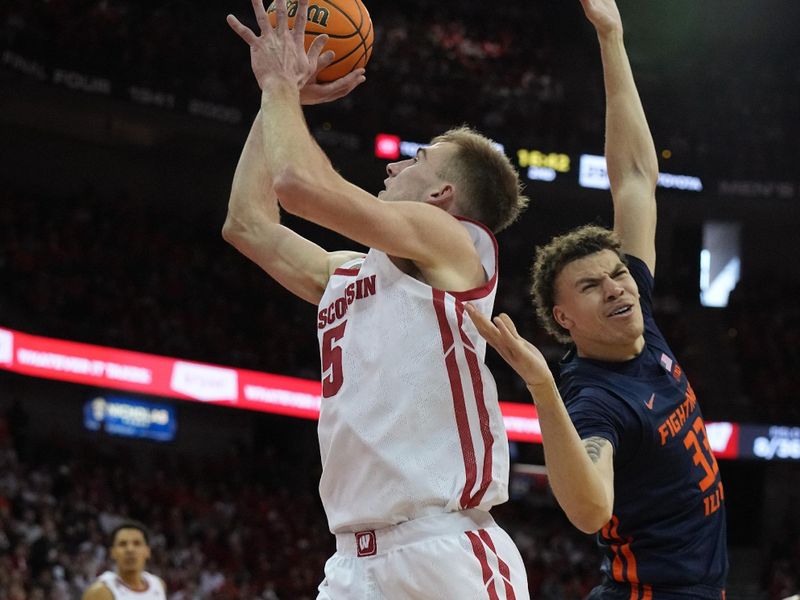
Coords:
418,179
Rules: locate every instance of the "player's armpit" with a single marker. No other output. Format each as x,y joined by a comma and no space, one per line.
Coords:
337,259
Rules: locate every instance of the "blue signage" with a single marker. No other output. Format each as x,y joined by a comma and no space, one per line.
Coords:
130,418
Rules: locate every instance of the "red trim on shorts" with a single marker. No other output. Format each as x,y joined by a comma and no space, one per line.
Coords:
486,570
505,572
459,404
483,413
347,272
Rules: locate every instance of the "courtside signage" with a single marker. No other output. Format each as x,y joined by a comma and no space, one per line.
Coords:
593,173
155,375
130,418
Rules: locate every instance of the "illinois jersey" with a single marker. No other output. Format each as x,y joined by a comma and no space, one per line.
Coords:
120,591
409,424
667,536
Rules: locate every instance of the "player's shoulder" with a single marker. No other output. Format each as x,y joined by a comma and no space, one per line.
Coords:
161,582
98,591
585,396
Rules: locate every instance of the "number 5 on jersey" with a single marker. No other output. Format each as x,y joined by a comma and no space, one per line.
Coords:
332,360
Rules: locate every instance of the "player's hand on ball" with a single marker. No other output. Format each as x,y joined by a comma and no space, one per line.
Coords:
279,52
317,93
519,353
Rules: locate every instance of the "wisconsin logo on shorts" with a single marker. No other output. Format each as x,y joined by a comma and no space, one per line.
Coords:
366,545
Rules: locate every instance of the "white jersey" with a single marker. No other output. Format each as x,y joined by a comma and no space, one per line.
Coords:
120,591
409,424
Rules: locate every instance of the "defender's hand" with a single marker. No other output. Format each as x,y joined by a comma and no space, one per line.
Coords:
519,353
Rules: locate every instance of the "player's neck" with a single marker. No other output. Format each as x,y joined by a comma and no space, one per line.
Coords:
133,579
609,352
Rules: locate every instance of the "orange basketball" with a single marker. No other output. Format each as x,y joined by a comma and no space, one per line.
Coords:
348,26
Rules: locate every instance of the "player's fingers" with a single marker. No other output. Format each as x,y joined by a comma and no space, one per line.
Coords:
482,324
300,19
502,328
345,85
242,31
325,59
508,323
282,14
261,16
314,51
513,342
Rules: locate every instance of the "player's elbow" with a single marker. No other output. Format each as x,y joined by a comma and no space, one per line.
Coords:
232,230
592,518
302,194
290,186
237,229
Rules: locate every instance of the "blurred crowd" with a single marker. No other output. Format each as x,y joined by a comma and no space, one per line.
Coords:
531,73
765,325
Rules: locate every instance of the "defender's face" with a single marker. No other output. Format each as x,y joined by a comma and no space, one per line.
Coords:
597,300
130,550
416,179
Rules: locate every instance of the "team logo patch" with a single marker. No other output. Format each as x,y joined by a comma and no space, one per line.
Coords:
366,545
666,362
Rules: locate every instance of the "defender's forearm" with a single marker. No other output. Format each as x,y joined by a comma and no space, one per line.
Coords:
576,481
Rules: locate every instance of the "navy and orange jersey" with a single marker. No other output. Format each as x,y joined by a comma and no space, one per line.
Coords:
667,536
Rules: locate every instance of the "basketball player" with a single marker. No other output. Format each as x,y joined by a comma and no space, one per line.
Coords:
129,581
413,447
627,452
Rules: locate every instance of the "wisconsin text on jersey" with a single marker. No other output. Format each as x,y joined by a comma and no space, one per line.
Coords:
360,288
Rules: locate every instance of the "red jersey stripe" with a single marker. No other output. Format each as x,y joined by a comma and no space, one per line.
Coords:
483,413
459,403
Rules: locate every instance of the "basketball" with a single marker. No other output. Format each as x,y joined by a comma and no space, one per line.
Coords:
348,26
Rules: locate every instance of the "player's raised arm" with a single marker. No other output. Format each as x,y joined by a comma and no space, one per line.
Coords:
581,472
253,227
308,186
252,224
630,153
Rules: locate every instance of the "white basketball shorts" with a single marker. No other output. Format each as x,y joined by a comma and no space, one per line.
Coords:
452,556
